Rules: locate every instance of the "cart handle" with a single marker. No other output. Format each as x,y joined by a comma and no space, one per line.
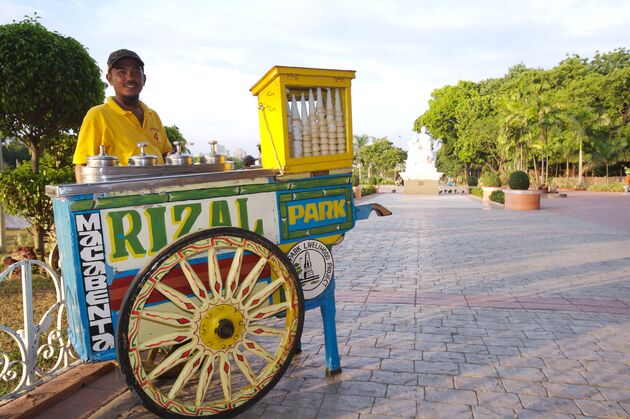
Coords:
364,211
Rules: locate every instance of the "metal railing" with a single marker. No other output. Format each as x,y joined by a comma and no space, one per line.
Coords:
43,348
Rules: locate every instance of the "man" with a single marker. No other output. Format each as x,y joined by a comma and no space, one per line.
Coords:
123,121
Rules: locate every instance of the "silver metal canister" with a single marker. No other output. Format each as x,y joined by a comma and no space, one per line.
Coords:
143,159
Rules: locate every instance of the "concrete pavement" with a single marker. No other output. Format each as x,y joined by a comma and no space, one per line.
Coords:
446,309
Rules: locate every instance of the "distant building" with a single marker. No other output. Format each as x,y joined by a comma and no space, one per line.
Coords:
239,153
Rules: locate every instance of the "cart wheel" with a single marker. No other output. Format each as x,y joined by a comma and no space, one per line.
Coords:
209,326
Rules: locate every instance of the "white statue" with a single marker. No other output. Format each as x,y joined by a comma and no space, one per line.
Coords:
420,158
420,152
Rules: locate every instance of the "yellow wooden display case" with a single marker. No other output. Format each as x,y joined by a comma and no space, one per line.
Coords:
274,90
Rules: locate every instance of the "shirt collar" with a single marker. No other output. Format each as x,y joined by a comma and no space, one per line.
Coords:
116,107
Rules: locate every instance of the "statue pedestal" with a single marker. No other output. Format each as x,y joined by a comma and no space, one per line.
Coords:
421,187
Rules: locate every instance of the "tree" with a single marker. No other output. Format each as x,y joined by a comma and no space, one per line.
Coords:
360,141
47,83
176,137
382,155
22,192
576,112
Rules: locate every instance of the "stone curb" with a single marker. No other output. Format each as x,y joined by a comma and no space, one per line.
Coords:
51,392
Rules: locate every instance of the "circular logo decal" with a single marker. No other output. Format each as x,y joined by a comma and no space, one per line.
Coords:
314,265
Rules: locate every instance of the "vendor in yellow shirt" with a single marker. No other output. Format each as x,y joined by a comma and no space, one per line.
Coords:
123,121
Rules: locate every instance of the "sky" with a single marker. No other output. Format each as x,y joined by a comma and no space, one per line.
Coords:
202,57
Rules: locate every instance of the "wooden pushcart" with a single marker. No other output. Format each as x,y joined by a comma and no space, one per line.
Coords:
197,283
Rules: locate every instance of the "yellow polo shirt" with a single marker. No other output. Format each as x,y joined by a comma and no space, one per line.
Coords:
120,131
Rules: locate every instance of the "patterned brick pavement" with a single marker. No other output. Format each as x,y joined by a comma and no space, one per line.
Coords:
446,309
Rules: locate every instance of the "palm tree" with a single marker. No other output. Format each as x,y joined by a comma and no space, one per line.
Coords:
360,141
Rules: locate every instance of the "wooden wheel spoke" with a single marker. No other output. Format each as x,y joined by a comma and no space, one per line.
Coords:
205,378
226,376
234,273
257,350
195,283
242,363
264,312
168,339
262,295
268,331
177,357
170,319
176,297
214,274
187,372
250,281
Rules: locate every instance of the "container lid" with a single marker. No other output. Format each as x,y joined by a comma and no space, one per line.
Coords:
214,148
102,159
143,159
178,157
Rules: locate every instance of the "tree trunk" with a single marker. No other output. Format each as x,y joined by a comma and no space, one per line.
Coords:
580,169
567,173
535,170
38,239
36,153
606,173
38,231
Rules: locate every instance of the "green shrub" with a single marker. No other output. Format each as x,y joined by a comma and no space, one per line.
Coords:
518,180
368,190
490,179
472,181
611,187
371,180
355,179
478,192
498,196
387,181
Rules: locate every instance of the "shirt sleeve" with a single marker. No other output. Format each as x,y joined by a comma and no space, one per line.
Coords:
90,136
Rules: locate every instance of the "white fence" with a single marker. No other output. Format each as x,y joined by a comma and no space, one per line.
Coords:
43,349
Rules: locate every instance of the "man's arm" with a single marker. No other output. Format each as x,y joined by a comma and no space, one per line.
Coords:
77,172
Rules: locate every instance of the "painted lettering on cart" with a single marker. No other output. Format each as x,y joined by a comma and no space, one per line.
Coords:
316,212
138,233
92,259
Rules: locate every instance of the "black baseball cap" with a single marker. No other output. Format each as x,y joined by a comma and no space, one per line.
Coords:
120,54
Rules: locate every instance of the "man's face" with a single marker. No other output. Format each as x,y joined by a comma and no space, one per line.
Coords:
126,77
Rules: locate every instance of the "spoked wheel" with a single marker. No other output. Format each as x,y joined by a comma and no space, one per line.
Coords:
210,325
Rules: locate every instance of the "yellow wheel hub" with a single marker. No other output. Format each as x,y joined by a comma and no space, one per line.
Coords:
221,327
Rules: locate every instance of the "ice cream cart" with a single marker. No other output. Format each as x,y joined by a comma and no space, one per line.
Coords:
196,278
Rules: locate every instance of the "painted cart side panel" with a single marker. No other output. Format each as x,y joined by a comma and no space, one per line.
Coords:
105,243
81,250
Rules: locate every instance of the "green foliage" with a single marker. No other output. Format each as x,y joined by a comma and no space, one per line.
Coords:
490,179
472,181
497,196
372,180
355,179
381,156
607,187
576,112
47,84
368,190
518,180
478,192
22,192
175,137
49,81
238,163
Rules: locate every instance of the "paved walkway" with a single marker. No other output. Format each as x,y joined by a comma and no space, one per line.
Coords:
446,309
